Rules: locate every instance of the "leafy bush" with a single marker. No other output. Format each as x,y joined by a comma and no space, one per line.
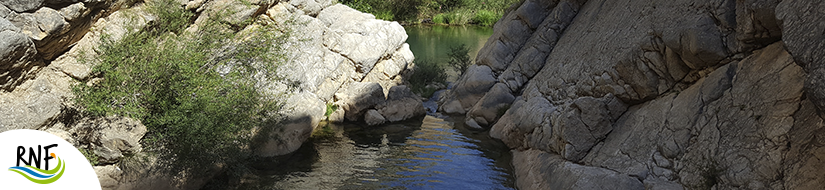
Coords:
90,156
427,72
459,17
384,15
387,9
486,18
360,5
459,58
168,79
330,109
454,12
439,19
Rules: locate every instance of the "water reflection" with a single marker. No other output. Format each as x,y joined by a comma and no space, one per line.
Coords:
434,42
429,153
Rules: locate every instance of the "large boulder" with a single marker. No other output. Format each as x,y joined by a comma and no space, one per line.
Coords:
144,171
17,53
477,80
359,36
401,104
372,117
492,106
356,99
303,111
533,167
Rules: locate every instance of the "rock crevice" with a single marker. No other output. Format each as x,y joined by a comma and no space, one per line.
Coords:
674,94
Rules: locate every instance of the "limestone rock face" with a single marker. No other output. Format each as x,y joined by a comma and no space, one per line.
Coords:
605,94
43,93
359,36
36,32
110,138
17,53
22,6
533,166
303,112
342,57
803,42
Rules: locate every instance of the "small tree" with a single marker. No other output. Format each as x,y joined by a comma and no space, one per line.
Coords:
460,58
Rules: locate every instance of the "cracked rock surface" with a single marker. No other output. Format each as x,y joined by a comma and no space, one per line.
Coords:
335,55
682,94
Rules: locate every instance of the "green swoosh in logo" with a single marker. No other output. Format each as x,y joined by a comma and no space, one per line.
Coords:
29,173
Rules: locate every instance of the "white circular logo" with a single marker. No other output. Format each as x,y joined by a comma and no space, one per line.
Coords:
34,159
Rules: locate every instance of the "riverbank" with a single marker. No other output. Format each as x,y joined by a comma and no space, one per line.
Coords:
439,12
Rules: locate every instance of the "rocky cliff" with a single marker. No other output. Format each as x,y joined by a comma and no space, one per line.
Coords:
335,55
653,94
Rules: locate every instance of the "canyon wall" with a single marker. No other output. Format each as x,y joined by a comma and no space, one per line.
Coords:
653,94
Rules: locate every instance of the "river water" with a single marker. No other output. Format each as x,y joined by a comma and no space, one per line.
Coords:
422,153
434,42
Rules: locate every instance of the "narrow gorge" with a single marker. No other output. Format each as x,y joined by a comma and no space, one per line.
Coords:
565,94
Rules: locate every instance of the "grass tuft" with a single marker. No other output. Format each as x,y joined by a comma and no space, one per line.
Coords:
486,18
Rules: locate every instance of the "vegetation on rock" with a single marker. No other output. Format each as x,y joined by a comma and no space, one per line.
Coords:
195,91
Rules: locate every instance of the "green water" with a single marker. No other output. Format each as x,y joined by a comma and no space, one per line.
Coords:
434,42
420,153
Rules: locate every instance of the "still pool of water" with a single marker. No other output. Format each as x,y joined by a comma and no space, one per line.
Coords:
434,42
423,153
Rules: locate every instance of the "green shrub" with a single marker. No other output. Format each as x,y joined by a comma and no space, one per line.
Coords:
455,12
360,5
168,79
387,9
427,72
439,19
486,18
330,109
90,155
384,15
459,58
459,17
